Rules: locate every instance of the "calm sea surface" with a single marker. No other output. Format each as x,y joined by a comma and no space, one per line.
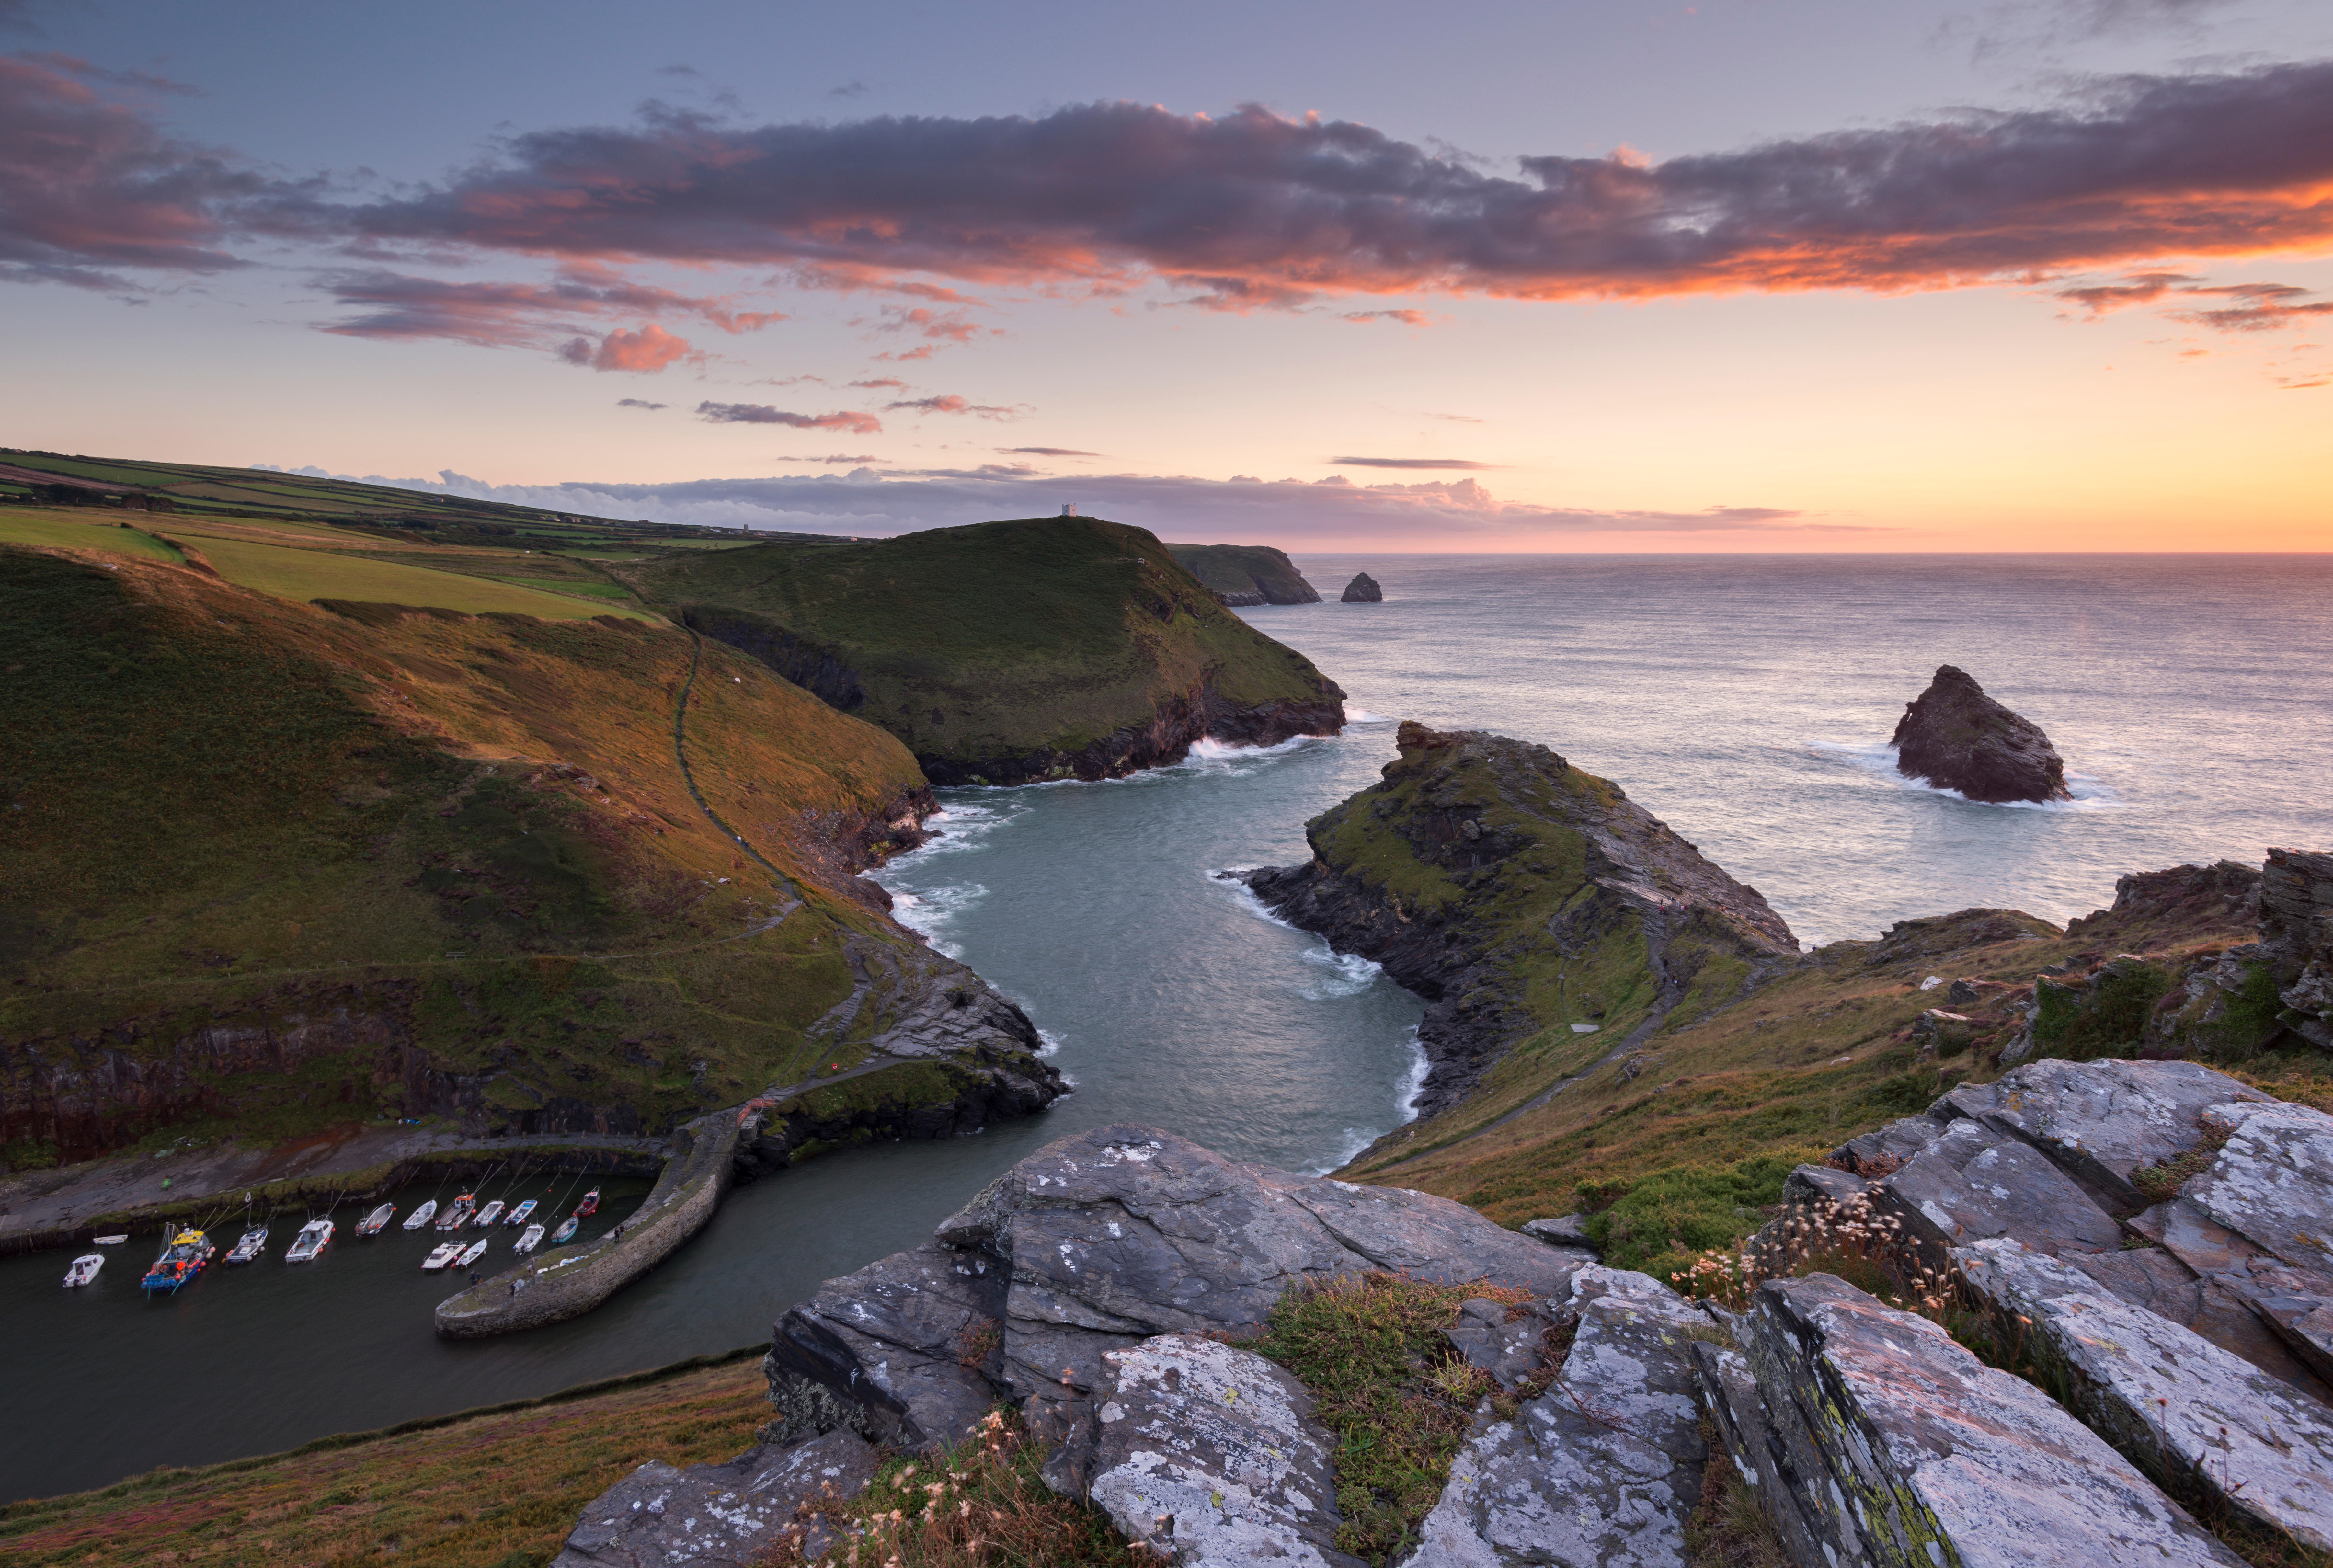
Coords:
1746,702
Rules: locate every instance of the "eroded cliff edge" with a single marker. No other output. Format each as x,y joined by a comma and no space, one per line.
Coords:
1535,905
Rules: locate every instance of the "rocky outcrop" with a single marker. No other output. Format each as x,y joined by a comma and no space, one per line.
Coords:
1362,589
2297,939
824,672
1604,1469
1175,725
1095,1243
1881,1441
1479,857
1207,1453
1956,737
1103,1283
2163,1392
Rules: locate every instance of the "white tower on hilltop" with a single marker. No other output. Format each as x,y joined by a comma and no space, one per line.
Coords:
1068,508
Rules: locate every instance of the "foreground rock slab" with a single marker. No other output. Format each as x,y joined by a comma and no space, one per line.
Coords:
1604,1469
2153,1388
1209,1456
1896,1445
710,1515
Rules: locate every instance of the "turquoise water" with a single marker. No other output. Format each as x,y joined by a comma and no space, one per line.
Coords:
1746,702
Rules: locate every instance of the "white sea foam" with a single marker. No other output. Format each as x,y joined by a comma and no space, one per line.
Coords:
1207,748
1413,1083
1363,716
931,912
1049,1044
1878,760
1350,973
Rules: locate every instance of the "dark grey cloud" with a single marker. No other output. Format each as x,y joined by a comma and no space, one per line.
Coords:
639,403
2251,307
870,501
1046,452
858,424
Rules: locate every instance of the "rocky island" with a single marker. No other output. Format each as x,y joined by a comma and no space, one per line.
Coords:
1362,589
1956,737
1047,647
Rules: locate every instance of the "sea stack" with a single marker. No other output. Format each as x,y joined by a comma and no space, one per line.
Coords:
1363,590
1957,738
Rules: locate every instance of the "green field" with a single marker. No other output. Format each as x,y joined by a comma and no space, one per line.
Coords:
303,575
44,528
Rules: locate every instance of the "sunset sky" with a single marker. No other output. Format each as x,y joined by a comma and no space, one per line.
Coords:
1622,275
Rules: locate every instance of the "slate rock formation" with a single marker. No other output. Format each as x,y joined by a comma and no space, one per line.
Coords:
1363,590
1102,1284
1957,738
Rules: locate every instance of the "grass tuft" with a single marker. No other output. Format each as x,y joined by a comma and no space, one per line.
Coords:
1369,1348
985,1506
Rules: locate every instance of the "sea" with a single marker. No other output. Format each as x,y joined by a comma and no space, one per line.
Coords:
1746,701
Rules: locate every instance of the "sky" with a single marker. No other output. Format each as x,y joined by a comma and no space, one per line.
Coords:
1624,276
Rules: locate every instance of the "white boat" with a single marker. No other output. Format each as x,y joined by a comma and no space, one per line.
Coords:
313,1238
566,1228
458,1212
490,1213
477,1249
376,1222
422,1215
248,1245
84,1269
528,1240
442,1255
108,1240
517,1217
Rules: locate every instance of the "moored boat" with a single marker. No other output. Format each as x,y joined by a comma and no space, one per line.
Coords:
314,1237
477,1249
528,1240
566,1228
422,1215
108,1240
248,1245
186,1257
590,1205
490,1213
84,1269
376,1222
458,1212
517,1217
441,1255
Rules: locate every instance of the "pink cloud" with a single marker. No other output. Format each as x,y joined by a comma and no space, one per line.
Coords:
951,404
649,350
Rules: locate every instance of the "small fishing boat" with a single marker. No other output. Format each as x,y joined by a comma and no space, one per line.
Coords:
490,1213
376,1222
186,1257
590,1205
248,1245
314,1237
422,1215
84,1268
566,1229
108,1240
528,1240
442,1255
458,1212
477,1249
517,1217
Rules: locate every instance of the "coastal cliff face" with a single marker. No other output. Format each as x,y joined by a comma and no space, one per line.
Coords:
428,863
1008,652
1246,574
1541,911
1957,738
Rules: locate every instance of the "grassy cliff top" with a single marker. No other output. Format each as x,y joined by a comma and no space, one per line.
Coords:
468,833
1247,570
1042,634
